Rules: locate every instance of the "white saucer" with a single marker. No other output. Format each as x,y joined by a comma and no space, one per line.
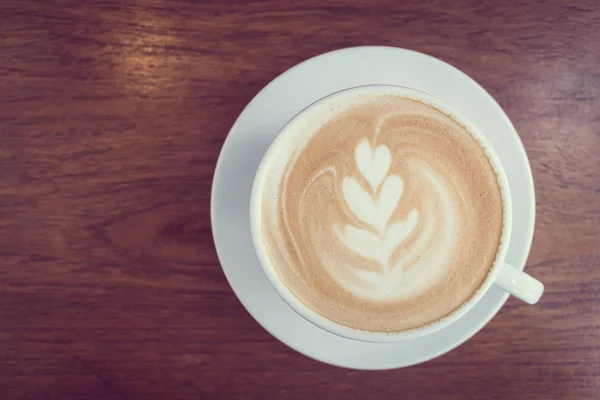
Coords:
260,122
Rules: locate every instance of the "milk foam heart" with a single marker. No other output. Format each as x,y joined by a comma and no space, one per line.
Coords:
373,165
382,214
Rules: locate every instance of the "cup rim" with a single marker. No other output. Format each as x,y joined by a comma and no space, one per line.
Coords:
359,334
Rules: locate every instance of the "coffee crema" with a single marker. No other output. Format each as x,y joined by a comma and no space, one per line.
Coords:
386,216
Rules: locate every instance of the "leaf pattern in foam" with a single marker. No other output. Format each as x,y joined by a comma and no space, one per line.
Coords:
375,208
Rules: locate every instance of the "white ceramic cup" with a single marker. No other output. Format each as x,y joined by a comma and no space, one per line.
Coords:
509,278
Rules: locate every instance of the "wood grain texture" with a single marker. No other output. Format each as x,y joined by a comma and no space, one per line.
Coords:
112,115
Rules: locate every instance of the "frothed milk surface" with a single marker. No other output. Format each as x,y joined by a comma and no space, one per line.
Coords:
381,213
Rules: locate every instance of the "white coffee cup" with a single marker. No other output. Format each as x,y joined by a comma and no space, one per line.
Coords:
506,276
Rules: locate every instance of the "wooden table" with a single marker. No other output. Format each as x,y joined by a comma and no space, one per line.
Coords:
112,115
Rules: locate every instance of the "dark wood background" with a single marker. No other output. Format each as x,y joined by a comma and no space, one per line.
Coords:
112,115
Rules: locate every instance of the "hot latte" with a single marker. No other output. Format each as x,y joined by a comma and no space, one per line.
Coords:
381,213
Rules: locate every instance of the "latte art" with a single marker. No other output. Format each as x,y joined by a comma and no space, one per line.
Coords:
381,237
385,217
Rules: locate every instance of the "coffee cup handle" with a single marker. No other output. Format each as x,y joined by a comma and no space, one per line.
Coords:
519,284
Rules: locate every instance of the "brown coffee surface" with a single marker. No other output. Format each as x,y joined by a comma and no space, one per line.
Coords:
389,217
